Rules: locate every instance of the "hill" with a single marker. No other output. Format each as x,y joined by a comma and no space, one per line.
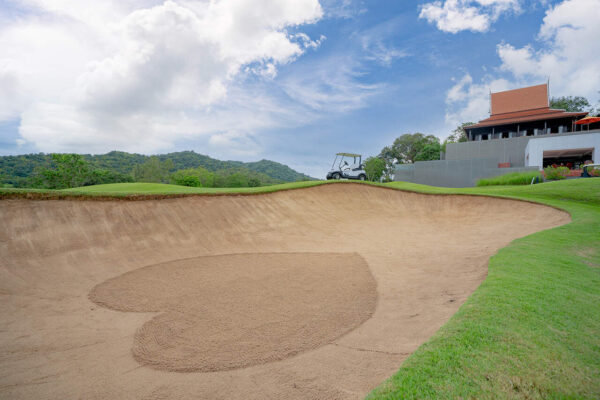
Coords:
15,170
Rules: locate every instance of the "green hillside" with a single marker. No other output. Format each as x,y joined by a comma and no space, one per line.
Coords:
15,170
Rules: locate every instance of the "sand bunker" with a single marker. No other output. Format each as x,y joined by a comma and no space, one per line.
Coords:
232,311
304,294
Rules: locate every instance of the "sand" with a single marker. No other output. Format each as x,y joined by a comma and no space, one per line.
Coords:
311,293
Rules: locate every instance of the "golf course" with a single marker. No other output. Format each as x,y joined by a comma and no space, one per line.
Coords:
329,290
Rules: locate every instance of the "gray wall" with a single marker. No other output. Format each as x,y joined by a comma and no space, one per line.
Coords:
502,150
452,173
510,150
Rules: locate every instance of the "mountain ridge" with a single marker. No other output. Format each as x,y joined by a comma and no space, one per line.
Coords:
14,170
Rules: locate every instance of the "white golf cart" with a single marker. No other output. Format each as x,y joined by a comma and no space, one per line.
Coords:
342,169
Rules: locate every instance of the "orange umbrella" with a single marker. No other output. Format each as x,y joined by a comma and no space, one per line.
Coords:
587,120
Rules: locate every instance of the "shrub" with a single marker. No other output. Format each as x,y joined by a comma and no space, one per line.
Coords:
374,168
512,178
556,173
194,177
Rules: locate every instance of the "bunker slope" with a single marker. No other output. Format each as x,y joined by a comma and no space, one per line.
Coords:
311,293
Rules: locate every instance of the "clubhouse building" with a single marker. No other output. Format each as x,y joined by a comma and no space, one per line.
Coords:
522,133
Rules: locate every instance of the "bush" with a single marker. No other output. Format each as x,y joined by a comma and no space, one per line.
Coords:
374,168
512,178
556,173
194,177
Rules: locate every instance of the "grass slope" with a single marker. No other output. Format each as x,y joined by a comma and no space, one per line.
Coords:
152,190
530,331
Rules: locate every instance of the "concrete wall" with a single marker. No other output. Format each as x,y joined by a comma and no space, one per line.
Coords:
509,150
452,173
502,150
534,151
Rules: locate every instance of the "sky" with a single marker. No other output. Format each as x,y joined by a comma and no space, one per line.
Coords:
290,81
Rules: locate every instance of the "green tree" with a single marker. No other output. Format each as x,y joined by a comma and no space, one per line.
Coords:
571,103
65,171
375,167
459,134
407,147
153,170
430,151
195,177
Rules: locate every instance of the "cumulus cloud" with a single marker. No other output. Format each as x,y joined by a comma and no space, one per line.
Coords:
467,101
140,75
568,55
459,15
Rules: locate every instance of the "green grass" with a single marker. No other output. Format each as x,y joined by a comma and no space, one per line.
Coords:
530,331
150,189
512,178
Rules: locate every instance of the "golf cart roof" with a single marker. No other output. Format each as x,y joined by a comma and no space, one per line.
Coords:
348,155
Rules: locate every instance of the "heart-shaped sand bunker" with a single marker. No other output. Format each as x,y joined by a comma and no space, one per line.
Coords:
233,311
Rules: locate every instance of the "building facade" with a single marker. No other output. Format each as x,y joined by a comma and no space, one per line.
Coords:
522,133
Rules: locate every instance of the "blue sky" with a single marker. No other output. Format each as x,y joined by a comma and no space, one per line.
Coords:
294,83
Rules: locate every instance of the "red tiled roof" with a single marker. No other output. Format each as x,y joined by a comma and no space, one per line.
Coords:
526,116
527,98
522,105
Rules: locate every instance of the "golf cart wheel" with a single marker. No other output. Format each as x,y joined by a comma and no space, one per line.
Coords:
336,176
362,178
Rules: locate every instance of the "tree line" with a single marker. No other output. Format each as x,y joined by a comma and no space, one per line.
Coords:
47,170
73,170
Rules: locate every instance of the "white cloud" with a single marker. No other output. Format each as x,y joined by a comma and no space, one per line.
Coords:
332,84
569,54
459,15
470,102
343,8
374,43
141,75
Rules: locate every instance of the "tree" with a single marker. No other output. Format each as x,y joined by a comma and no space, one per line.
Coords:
459,134
409,148
65,171
195,177
389,157
431,151
375,167
571,103
72,170
153,170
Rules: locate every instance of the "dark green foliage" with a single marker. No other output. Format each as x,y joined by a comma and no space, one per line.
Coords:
277,171
409,148
103,176
242,177
153,171
18,169
430,151
556,173
72,170
227,178
194,177
571,103
374,167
